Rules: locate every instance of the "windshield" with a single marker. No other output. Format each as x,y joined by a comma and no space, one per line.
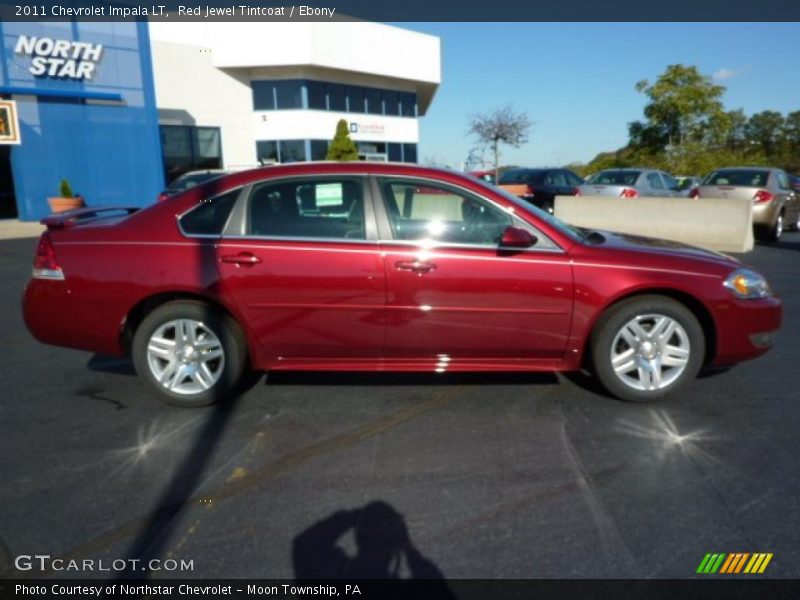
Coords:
614,178
741,177
576,233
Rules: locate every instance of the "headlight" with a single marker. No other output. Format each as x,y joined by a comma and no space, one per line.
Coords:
745,284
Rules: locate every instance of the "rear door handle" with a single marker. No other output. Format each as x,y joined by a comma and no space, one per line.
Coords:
416,266
243,259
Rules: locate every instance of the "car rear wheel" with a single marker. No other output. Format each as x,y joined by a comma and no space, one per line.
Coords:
190,353
646,348
774,233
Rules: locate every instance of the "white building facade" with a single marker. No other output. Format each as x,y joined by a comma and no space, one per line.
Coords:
236,95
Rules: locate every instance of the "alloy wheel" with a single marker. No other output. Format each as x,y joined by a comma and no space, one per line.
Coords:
650,352
185,356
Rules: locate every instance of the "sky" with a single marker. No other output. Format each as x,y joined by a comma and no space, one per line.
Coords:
576,80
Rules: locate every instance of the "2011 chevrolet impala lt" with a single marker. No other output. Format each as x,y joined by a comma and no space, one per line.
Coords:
383,267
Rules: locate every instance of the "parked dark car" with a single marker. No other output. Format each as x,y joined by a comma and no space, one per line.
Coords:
359,266
189,180
540,186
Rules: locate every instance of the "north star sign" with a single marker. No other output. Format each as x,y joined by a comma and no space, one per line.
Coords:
59,58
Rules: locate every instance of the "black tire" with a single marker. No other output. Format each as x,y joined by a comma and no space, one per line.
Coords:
229,370
773,234
605,340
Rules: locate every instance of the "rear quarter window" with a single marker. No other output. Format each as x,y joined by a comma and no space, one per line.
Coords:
210,216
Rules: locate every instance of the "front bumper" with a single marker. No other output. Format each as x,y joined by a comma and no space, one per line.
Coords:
745,329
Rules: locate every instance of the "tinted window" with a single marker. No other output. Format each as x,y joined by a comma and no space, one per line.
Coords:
289,94
408,105
556,178
263,95
521,176
654,180
395,152
210,216
319,149
615,178
355,99
573,179
374,102
267,152
391,103
322,208
336,97
316,95
741,177
292,150
421,210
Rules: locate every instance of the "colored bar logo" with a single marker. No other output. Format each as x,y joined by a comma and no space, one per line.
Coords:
734,563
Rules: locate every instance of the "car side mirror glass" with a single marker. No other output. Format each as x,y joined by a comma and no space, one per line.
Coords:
516,237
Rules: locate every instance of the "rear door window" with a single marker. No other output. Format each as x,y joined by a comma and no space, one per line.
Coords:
329,208
654,181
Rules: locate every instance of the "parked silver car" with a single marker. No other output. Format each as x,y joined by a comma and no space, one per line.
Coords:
631,183
775,204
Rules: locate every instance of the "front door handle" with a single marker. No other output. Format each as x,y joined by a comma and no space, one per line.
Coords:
417,266
243,259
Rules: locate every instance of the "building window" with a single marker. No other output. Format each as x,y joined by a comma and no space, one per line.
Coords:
395,152
289,94
316,95
337,98
410,153
374,102
267,152
319,149
408,105
292,150
263,95
355,99
391,103
189,148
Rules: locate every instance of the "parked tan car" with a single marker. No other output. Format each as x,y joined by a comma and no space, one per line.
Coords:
775,205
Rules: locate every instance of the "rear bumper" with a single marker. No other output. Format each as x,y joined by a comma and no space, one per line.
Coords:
745,329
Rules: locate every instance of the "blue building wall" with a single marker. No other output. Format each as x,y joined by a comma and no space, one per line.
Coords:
100,134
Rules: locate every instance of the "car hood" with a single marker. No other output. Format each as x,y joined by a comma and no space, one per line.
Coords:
665,248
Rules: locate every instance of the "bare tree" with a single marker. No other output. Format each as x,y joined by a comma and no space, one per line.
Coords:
500,126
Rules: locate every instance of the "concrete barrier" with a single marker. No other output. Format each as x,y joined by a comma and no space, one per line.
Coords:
715,223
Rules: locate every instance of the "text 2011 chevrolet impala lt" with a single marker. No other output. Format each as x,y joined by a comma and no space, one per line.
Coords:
383,267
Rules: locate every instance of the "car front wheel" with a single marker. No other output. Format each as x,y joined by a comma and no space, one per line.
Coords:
646,348
190,353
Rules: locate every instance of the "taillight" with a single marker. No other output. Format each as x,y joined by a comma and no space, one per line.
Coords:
576,192
628,193
695,193
162,196
530,193
762,196
45,265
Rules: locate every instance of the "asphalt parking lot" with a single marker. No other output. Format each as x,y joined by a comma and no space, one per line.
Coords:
315,475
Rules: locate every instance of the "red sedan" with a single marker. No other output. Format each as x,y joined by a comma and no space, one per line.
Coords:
383,267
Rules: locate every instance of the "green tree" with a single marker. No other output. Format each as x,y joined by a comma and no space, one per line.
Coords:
766,129
501,126
342,147
684,106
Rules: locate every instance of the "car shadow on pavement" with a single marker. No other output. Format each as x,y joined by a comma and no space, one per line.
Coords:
110,364
371,542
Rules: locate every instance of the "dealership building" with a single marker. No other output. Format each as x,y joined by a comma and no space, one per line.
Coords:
121,109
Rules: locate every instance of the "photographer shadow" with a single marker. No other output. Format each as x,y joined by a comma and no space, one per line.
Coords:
383,549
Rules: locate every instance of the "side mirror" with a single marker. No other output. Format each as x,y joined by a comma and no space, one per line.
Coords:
516,237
